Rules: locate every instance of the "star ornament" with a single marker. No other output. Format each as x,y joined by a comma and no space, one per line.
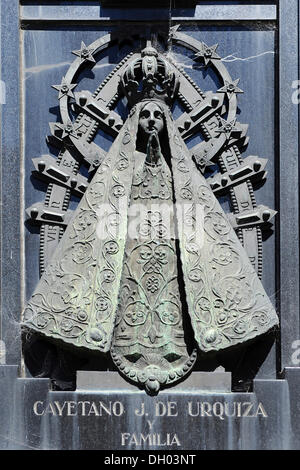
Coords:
65,88
173,31
202,160
207,53
230,88
227,127
85,53
67,129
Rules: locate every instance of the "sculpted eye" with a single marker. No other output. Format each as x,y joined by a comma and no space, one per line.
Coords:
145,113
158,115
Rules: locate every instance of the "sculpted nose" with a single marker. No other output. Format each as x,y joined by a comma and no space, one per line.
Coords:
151,119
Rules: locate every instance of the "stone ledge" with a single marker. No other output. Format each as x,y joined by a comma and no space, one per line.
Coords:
217,381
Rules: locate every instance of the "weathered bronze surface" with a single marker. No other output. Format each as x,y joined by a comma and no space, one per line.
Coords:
133,285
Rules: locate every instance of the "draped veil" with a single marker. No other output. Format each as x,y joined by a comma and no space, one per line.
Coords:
105,291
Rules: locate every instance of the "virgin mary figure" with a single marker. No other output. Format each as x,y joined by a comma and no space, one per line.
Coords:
149,268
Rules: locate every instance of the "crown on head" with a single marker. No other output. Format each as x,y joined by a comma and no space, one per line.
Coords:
149,76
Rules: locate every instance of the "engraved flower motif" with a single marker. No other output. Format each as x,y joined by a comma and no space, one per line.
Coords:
186,193
217,308
135,316
195,275
108,275
169,311
204,303
82,315
152,284
261,318
163,194
161,231
81,252
41,321
223,254
226,256
122,164
145,253
160,254
66,325
102,303
222,318
118,190
111,247
168,316
85,219
240,327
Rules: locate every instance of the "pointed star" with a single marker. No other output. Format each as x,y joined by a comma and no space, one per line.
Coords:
202,160
68,129
173,30
227,127
64,88
207,53
230,88
85,53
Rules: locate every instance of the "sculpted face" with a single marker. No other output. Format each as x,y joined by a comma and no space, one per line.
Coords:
151,119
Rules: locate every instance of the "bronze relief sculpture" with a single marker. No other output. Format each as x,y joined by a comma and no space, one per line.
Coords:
150,268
